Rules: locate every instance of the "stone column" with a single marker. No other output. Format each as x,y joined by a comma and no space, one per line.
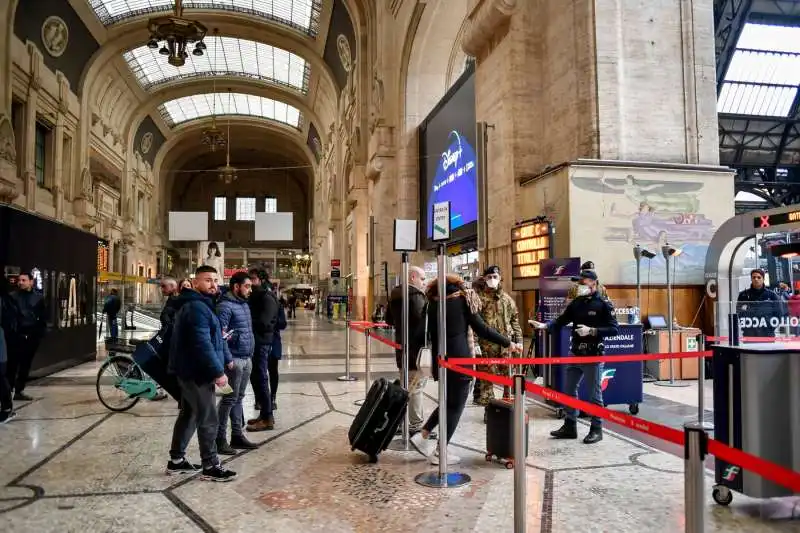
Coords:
29,144
58,168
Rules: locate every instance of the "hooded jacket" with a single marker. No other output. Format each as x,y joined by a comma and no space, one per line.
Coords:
416,322
459,320
234,314
197,350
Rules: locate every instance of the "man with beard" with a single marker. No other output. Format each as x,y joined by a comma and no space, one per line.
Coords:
264,312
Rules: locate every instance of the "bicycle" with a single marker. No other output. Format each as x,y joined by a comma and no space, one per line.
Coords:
124,375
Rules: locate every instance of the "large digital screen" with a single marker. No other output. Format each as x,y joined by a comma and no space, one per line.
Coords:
448,165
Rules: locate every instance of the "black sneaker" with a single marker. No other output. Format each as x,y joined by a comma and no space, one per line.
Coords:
22,397
181,467
223,448
7,416
218,473
567,431
241,443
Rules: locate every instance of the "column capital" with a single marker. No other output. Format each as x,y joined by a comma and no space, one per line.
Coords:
485,17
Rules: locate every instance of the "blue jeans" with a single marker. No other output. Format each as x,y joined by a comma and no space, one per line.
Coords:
230,406
113,326
572,381
259,379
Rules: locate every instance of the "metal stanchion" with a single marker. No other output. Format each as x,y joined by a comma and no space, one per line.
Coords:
520,454
367,367
442,479
347,376
695,451
701,385
668,253
402,443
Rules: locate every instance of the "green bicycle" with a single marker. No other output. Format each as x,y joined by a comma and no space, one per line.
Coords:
121,383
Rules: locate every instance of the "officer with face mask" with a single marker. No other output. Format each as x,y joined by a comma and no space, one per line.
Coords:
592,319
499,311
573,291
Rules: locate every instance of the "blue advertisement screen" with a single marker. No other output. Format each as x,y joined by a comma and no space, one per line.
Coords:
449,163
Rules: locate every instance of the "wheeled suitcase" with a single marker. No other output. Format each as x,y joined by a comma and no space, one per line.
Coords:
377,420
500,432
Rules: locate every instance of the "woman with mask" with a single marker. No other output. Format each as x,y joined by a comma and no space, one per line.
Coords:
461,318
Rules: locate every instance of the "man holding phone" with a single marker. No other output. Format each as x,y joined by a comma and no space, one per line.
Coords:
197,357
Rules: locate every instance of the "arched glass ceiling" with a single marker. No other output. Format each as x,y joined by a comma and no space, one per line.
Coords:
225,56
201,105
764,73
302,15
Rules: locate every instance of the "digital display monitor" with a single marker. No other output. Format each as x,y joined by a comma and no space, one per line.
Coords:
776,219
657,322
448,162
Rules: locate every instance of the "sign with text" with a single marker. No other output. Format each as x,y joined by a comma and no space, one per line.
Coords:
441,221
776,219
336,263
530,245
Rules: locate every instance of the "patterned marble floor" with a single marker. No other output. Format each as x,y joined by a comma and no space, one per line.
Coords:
71,466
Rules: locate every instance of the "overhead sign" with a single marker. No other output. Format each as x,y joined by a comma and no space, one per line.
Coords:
776,219
336,273
441,221
336,263
530,245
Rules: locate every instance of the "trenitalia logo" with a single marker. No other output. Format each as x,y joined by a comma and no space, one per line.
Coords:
730,473
607,376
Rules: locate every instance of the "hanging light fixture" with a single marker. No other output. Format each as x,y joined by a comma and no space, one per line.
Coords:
176,33
213,136
227,174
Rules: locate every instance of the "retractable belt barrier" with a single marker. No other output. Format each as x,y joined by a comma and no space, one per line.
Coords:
577,360
364,327
766,469
790,338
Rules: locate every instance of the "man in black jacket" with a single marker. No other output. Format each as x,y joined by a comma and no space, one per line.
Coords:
264,312
30,326
759,309
417,303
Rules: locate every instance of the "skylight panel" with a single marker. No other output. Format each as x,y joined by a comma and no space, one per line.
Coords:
196,106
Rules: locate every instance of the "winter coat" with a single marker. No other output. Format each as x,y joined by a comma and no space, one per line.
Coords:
460,319
234,314
264,312
277,343
416,322
112,305
197,350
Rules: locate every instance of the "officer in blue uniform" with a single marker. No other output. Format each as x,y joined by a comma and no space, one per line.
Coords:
592,319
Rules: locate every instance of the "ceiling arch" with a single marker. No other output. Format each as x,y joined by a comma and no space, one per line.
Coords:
200,86
249,132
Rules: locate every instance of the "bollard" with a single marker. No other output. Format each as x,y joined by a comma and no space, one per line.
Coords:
347,376
520,454
695,451
367,362
701,382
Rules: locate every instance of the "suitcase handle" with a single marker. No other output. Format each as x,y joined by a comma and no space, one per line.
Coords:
385,423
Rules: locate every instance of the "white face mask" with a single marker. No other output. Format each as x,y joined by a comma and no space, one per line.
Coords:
492,283
584,290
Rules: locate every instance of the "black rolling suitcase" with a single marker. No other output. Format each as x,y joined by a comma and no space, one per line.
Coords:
500,432
377,420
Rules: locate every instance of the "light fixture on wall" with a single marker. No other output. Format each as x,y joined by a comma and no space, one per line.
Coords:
213,136
176,33
228,173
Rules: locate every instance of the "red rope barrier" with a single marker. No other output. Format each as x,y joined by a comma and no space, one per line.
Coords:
385,341
766,469
576,359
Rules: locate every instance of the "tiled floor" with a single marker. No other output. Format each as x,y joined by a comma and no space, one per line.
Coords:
71,466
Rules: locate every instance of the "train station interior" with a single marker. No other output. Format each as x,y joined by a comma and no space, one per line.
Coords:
649,149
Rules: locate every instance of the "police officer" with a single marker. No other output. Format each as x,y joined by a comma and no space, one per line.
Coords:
759,307
573,291
592,319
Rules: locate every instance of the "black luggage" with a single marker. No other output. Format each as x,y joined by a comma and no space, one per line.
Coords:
500,432
377,420
147,355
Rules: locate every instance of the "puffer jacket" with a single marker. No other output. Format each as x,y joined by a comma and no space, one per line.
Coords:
197,350
234,314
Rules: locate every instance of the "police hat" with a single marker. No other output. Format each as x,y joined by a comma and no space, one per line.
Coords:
588,265
494,269
586,274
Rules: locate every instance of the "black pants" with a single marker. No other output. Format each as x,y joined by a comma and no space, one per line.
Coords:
457,395
260,380
272,365
21,349
198,413
5,389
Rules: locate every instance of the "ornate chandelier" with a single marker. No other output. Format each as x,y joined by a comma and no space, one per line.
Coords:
213,136
177,33
227,174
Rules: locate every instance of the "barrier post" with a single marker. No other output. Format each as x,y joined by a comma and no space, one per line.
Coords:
402,444
520,454
701,384
695,451
442,479
367,362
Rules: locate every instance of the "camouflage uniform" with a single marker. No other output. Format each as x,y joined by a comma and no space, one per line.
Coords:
500,312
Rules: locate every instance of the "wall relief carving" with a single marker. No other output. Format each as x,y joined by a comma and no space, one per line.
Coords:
86,185
377,101
8,150
55,36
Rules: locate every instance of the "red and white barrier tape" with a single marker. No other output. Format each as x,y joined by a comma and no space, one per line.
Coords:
766,469
577,359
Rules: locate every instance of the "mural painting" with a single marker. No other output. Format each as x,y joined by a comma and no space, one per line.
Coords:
651,210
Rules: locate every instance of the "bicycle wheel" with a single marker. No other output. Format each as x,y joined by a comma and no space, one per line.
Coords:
109,377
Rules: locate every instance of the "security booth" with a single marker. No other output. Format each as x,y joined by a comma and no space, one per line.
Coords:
756,364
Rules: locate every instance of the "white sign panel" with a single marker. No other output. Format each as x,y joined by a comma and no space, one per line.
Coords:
188,225
405,235
441,221
274,227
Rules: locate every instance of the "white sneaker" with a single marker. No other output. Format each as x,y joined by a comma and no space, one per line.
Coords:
424,446
452,459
